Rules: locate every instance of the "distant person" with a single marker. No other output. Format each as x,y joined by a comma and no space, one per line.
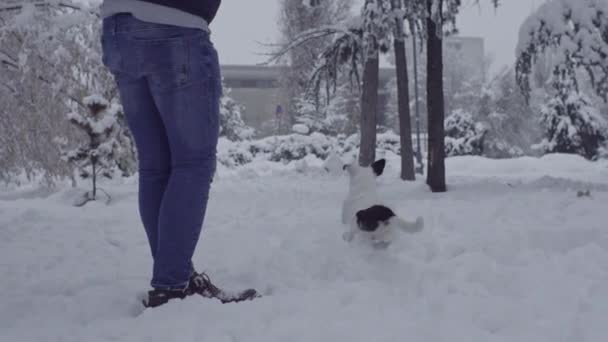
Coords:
168,76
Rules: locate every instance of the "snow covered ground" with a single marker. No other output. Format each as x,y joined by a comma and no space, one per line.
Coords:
510,253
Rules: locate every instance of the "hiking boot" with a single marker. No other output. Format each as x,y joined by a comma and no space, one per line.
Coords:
158,297
202,285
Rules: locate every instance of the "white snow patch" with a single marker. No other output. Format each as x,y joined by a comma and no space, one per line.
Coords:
510,253
300,129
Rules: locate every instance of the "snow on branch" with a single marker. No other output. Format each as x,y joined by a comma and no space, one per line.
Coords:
11,5
576,32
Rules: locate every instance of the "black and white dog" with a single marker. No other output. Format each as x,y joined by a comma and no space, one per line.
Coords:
363,211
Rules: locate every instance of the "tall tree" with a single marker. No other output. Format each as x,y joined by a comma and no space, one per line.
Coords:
435,100
376,38
440,17
403,95
369,110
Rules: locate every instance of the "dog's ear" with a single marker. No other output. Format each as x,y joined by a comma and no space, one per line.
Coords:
378,166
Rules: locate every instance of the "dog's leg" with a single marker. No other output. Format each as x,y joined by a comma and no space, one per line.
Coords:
348,236
383,236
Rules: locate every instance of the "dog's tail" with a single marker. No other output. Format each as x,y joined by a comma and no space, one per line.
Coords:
408,227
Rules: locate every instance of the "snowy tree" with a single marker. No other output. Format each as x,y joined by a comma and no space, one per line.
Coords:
296,17
440,17
399,14
96,156
463,136
376,29
329,120
576,32
361,41
512,125
571,123
232,125
435,94
49,60
344,108
355,44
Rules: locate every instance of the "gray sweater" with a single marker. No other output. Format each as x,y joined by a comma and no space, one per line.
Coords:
153,13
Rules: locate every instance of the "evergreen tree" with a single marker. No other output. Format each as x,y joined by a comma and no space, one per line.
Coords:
571,124
232,125
96,156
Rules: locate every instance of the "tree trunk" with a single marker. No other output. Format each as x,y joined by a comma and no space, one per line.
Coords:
94,175
369,110
403,100
435,102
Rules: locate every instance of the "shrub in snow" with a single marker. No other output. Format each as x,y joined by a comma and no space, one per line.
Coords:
502,149
389,141
463,136
96,156
602,152
300,129
232,125
301,166
571,124
287,148
283,149
295,147
499,142
232,154
333,164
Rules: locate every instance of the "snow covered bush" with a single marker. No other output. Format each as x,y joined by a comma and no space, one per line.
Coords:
463,136
389,141
294,147
602,153
496,143
571,124
300,129
333,164
282,149
96,156
232,125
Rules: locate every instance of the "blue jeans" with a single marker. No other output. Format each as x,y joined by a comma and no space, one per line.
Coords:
170,85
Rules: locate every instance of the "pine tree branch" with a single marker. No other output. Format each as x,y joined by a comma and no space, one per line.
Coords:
13,5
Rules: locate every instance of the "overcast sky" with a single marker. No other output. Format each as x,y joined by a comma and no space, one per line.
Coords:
240,25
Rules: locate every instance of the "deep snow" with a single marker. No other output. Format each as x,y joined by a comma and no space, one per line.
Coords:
510,253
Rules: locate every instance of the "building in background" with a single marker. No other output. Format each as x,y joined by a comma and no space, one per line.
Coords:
257,87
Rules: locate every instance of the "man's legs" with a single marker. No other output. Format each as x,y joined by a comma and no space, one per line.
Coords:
152,145
176,164
190,113
169,81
